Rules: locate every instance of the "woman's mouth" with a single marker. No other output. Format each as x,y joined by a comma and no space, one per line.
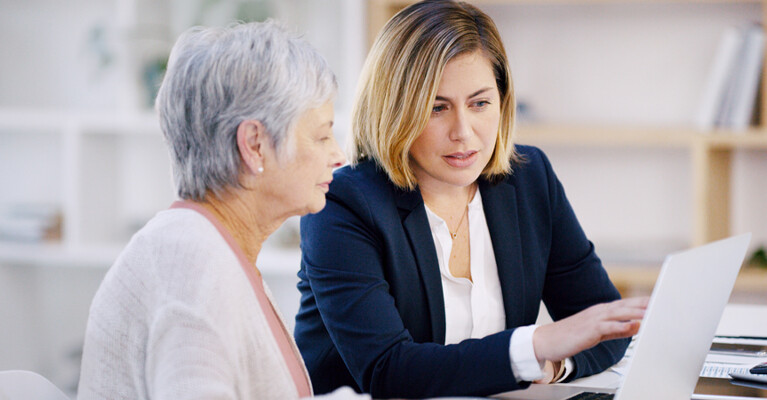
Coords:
461,159
325,186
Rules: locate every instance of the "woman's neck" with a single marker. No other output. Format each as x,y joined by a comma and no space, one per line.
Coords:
447,198
248,224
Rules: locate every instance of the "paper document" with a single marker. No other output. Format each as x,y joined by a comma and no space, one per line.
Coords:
718,370
719,364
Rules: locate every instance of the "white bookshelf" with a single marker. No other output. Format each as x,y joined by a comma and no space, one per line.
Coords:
57,255
107,173
113,174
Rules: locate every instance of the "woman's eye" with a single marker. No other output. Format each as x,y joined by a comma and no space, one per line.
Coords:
481,103
439,108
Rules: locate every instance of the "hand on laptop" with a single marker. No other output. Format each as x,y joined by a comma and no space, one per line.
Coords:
586,329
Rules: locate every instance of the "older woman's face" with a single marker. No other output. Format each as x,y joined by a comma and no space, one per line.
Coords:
304,169
460,136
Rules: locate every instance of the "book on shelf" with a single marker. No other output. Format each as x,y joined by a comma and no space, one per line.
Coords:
730,92
747,79
30,223
716,83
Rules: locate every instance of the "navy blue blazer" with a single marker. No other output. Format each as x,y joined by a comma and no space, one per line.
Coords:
372,313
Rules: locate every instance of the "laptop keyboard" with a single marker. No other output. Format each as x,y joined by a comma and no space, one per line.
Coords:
592,396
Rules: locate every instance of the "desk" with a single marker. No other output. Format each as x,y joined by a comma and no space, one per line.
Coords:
737,319
724,387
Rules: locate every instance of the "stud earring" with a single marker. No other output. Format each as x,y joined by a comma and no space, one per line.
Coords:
260,169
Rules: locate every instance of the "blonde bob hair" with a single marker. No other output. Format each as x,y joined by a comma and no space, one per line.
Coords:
400,78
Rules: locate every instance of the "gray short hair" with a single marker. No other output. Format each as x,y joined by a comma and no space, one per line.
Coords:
219,77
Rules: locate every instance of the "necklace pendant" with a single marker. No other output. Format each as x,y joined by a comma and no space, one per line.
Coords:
453,235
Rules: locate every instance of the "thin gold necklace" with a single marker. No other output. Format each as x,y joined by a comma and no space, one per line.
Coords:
455,234
465,211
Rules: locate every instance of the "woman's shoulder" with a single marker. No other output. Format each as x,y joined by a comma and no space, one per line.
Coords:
531,166
530,157
366,174
364,181
175,233
362,191
526,151
177,258
176,245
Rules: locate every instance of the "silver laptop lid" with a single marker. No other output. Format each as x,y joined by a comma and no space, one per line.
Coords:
685,307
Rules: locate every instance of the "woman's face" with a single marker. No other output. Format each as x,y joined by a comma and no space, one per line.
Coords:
301,174
460,136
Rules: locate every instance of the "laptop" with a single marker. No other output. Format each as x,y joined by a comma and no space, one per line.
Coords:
676,333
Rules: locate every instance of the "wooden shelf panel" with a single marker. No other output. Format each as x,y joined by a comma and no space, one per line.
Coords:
622,136
603,136
751,139
628,278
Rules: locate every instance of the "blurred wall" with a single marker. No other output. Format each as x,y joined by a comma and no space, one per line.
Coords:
628,63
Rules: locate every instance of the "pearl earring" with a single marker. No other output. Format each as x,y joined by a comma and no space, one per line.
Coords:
260,169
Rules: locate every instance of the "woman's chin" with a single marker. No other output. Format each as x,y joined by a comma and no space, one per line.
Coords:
315,206
464,178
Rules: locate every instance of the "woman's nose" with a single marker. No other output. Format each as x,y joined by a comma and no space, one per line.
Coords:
461,125
337,157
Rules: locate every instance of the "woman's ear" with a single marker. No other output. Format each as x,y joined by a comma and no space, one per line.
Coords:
252,143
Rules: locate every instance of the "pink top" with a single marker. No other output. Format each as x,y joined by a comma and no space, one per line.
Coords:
280,332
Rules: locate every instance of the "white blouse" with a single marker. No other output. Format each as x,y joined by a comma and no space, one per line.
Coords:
472,309
475,309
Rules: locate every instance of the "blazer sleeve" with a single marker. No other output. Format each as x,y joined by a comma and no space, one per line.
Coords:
344,263
575,278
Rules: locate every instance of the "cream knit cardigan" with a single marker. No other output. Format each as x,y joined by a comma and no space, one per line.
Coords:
176,318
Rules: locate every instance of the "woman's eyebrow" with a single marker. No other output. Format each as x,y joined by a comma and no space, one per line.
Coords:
478,92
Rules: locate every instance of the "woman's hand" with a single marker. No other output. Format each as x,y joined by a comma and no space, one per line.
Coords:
586,329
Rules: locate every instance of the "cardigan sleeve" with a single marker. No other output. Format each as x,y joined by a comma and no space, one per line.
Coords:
575,277
344,263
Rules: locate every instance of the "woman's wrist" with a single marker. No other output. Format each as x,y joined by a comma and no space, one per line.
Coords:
559,371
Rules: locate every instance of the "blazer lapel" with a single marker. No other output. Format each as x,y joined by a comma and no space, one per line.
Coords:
500,205
416,225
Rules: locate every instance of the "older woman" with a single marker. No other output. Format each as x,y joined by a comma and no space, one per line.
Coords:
247,114
424,274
